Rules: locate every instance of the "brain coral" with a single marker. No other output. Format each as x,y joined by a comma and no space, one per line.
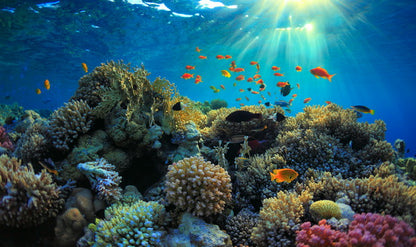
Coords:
198,186
26,198
325,209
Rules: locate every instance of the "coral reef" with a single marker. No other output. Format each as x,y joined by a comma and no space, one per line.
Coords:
103,179
218,103
198,186
279,217
137,224
26,198
4,140
409,166
10,112
67,122
324,209
69,227
241,226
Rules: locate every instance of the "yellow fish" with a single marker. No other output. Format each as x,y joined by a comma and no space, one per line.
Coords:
38,91
225,73
47,84
85,67
283,175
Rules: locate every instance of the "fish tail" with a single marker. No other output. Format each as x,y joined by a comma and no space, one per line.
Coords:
330,77
372,112
272,176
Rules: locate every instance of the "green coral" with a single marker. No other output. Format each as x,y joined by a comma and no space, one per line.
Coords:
136,224
409,165
325,209
218,103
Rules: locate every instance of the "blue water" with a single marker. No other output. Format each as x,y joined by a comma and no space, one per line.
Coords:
370,46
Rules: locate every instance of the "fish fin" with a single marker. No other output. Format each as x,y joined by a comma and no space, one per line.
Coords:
316,76
272,176
330,77
372,112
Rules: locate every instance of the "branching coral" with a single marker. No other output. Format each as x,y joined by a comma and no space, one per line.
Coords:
26,198
240,227
136,224
103,179
198,186
279,217
68,122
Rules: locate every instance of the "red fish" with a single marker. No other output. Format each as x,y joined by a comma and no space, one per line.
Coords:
328,102
228,56
198,79
254,92
253,63
259,81
222,86
282,84
275,68
284,175
189,67
241,90
197,49
249,79
278,74
294,95
256,76
297,85
258,67
220,57
298,68
307,100
187,76
290,101
202,57
259,101
240,78
321,72
247,98
237,99
238,70
233,65
241,104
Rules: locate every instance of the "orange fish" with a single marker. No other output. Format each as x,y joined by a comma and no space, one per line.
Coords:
228,56
298,68
284,175
222,86
198,79
202,57
225,73
85,67
250,79
241,104
328,102
231,69
269,93
254,92
253,63
282,84
290,101
197,49
187,76
321,72
259,81
307,100
297,85
260,103
238,70
47,84
275,68
294,95
38,91
256,76
233,65
241,90
258,67
189,67
237,99
220,57
278,74
247,98
240,78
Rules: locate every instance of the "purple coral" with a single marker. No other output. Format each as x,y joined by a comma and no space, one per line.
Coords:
365,230
4,139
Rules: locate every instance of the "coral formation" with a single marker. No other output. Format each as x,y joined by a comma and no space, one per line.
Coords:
409,166
69,227
241,226
103,179
26,198
4,140
324,209
137,224
320,235
198,186
68,122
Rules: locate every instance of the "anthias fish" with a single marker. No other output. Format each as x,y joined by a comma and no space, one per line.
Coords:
321,72
284,175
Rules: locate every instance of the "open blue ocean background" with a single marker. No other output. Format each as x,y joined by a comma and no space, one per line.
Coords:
370,46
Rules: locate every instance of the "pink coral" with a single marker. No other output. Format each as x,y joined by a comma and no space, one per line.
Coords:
365,230
4,139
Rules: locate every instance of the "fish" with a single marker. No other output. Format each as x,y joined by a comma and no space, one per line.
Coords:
297,85
84,67
282,103
216,90
259,101
50,167
237,138
233,65
222,86
285,90
249,79
197,49
202,57
298,68
307,100
47,84
254,92
178,106
321,72
262,87
219,57
294,95
363,109
247,98
7,97
284,175
259,129
242,116
269,93
212,87
38,91
241,90
258,67
241,104
275,68
225,73
253,63
262,96
228,56
279,117
260,81
187,76
238,70
198,79
267,104
249,89
278,74
189,67
237,99
328,102
291,100
282,84
256,76
240,78
234,84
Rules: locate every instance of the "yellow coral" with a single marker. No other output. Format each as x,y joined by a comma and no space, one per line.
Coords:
325,209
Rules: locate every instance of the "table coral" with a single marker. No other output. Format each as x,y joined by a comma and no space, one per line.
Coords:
198,186
26,199
103,179
137,224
